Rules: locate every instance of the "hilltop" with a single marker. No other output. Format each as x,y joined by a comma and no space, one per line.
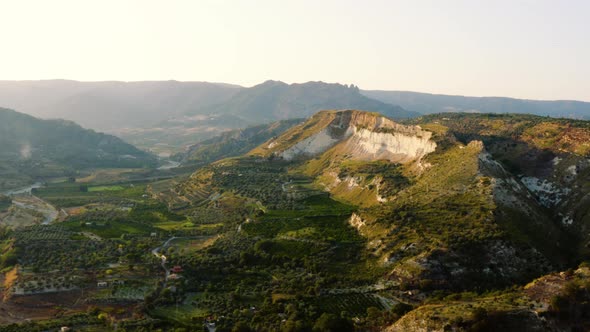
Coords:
234,142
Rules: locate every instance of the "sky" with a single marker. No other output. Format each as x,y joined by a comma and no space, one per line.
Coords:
518,48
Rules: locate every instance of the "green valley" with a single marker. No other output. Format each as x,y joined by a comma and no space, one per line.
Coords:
347,220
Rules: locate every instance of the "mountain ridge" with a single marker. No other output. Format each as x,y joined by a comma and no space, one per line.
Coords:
276,100
34,149
427,103
106,105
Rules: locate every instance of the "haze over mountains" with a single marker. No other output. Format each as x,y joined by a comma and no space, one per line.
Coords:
275,100
427,103
112,105
167,116
115,105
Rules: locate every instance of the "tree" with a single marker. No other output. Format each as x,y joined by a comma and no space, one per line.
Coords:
293,326
5,199
241,327
373,315
332,323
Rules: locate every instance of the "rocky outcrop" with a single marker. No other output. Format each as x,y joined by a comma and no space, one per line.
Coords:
313,145
360,135
365,144
356,221
431,319
499,263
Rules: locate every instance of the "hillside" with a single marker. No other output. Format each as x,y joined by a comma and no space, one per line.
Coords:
426,103
550,157
34,149
554,302
233,143
111,105
440,202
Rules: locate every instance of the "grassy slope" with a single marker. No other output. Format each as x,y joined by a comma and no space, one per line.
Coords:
234,143
546,148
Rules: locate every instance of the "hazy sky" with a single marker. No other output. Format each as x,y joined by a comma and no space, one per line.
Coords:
528,49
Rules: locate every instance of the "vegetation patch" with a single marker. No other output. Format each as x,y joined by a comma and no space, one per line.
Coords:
105,188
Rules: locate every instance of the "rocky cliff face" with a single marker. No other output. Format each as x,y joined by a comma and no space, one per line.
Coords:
313,145
395,146
360,135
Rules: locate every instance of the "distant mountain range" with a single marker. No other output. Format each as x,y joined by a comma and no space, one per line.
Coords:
264,103
168,116
32,149
275,100
427,103
111,105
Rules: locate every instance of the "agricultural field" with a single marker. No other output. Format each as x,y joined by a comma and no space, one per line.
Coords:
47,248
109,229
105,188
192,244
354,304
276,237
32,283
130,291
72,194
250,238
5,202
182,314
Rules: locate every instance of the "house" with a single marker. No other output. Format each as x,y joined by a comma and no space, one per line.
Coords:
210,326
64,329
101,284
176,269
119,282
173,276
154,234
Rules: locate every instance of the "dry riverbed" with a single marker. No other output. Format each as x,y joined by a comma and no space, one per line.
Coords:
29,210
